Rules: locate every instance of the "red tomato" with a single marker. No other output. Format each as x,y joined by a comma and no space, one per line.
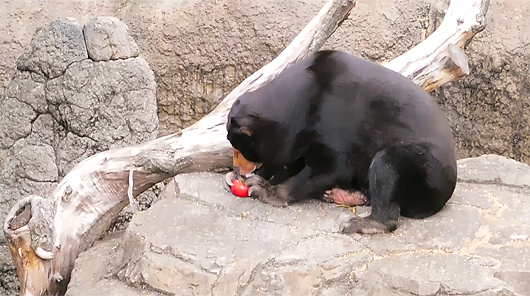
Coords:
239,188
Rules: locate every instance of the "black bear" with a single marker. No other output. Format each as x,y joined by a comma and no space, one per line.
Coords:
333,120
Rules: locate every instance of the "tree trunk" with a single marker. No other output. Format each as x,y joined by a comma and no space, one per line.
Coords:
46,235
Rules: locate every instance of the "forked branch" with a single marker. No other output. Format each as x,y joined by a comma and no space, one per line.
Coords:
440,58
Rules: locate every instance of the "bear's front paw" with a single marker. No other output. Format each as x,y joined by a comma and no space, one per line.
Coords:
261,189
266,196
257,180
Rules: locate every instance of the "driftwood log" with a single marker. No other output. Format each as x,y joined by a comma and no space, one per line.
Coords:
45,235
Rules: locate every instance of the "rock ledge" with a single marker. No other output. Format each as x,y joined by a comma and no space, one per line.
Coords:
205,241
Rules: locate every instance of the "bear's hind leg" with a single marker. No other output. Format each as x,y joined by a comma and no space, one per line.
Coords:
383,178
406,180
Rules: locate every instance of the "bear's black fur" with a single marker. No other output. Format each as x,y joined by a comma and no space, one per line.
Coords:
336,120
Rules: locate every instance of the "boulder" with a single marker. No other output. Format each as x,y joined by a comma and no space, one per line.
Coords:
202,240
53,48
107,39
62,107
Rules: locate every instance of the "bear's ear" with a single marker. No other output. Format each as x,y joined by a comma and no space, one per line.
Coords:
246,131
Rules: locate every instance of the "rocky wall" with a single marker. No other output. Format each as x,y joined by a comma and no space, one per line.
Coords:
200,50
77,90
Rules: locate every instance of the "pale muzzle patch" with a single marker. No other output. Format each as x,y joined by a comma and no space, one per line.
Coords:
244,166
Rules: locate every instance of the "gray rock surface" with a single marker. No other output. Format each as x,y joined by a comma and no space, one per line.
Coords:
53,49
62,107
107,39
206,241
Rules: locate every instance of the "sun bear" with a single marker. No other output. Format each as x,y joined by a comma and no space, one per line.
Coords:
333,122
